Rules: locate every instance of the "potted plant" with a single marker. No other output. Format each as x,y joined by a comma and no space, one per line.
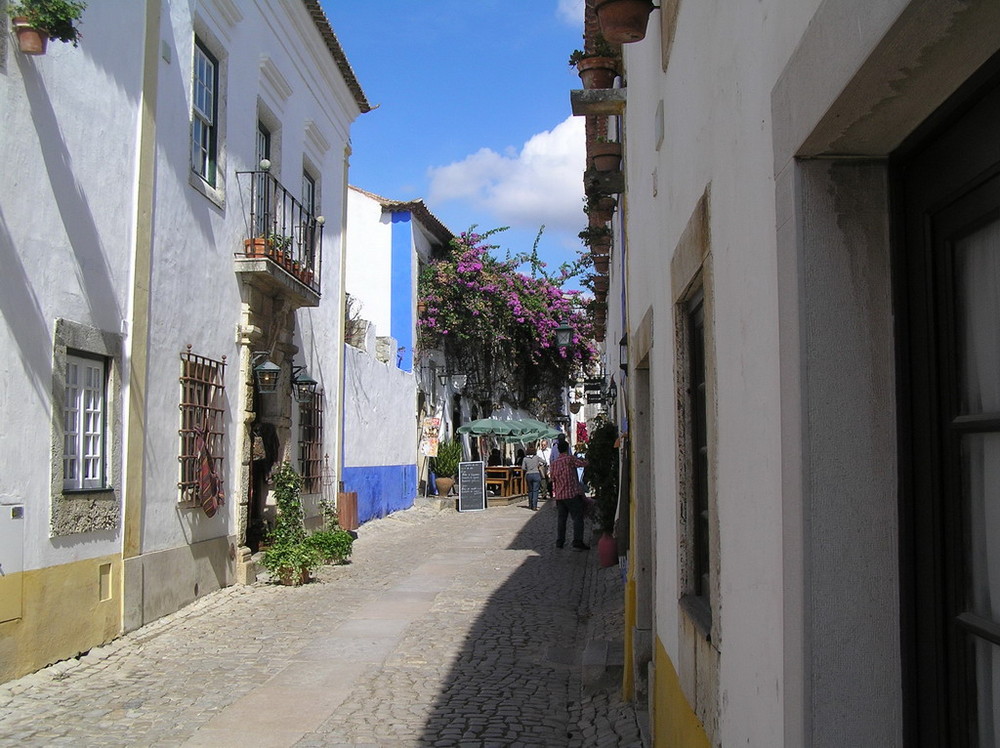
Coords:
623,21
600,208
598,66
289,557
37,21
602,263
605,155
602,475
449,454
598,238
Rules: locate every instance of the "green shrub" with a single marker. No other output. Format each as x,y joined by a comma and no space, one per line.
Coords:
333,546
288,553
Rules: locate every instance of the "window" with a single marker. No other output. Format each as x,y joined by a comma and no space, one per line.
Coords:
201,432
204,114
311,443
701,568
84,424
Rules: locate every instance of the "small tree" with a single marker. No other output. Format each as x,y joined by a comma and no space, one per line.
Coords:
602,471
289,555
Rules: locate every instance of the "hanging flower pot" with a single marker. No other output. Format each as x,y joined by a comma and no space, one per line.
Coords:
602,263
606,156
623,21
600,282
601,296
30,40
597,72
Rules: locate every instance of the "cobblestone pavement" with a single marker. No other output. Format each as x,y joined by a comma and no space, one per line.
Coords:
448,629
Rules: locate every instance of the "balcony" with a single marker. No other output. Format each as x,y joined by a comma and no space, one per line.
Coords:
282,250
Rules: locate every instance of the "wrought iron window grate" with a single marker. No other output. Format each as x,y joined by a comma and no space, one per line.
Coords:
202,396
311,443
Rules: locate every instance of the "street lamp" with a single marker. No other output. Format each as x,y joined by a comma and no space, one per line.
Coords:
303,385
564,335
623,353
458,381
265,373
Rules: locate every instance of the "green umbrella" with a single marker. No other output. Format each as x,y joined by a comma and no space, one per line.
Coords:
489,427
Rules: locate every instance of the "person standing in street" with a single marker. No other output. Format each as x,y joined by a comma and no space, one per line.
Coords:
533,464
568,494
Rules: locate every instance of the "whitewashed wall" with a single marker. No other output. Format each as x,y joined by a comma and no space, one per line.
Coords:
67,202
379,422
369,259
196,296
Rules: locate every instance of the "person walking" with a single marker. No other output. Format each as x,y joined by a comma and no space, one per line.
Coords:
568,494
533,464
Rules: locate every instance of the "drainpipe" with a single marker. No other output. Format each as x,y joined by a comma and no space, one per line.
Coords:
138,335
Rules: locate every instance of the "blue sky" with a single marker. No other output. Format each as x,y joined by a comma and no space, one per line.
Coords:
473,112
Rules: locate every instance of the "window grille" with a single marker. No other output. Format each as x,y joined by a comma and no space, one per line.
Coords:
202,394
311,443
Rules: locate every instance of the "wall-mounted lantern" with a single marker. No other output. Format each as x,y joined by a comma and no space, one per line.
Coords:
623,353
458,381
303,386
265,373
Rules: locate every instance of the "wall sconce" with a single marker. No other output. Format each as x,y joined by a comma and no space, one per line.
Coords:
264,164
303,385
623,353
265,373
564,335
458,381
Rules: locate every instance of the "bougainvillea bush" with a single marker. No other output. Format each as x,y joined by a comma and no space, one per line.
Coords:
499,323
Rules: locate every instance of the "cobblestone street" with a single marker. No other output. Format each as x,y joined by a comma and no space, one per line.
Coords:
447,629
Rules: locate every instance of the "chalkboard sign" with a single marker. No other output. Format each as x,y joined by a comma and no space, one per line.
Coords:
471,487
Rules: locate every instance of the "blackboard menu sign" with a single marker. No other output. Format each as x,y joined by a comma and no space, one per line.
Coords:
471,486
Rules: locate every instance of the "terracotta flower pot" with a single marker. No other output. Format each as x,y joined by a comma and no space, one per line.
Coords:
444,485
600,245
601,296
606,156
602,263
600,282
597,72
256,247
30,41
623,21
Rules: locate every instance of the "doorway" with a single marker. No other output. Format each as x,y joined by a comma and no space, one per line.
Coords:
948,273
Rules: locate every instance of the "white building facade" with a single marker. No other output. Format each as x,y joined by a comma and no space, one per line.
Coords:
176,223
808,254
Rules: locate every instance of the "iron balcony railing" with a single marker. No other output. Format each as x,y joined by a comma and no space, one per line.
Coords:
281,229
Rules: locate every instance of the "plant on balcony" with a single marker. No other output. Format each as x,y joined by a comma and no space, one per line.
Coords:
289,556
597,66
605,155
37,21
623,21
600,207
598,238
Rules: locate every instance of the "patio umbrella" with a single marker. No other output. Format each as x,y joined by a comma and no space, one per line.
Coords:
489,427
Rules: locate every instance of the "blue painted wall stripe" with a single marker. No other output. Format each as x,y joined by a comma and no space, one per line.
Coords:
381,489
401,279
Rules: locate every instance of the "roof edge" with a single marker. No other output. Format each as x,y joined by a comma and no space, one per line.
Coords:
315,10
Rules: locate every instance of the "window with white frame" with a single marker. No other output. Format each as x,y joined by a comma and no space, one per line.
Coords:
204,113
84,424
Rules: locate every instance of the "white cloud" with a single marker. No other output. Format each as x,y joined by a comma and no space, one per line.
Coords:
571,11
540,184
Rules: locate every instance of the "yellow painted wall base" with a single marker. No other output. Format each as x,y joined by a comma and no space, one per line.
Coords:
628,673
63,614
675,725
